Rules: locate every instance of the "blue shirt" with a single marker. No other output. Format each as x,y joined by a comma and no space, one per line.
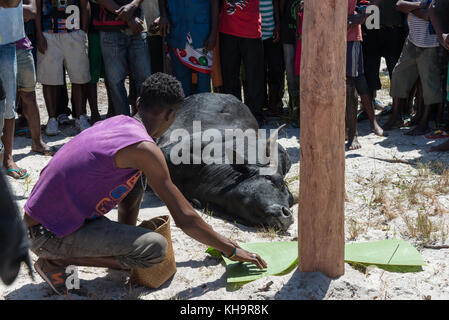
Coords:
188,16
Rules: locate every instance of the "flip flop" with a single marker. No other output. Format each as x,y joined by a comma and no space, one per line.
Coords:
17,171
438,134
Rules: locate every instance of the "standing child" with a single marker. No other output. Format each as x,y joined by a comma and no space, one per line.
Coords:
61,32
190,28
269,11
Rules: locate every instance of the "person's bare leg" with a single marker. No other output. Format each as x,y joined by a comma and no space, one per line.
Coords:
91,94
51,99
8,142
351,118
111,111
368,105
418,97
439,118
395,119
78,94
423,125
31,113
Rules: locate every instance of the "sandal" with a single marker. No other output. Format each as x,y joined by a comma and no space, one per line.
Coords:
26,175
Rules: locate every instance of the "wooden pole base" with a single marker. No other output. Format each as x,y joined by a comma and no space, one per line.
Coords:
322,161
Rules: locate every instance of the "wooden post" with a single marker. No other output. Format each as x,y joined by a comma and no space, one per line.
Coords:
322,161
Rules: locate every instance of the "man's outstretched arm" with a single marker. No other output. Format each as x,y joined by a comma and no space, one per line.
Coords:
146,156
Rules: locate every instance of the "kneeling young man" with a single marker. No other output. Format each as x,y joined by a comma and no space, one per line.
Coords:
100,168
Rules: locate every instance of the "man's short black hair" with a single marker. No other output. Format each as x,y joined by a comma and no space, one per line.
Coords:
160,91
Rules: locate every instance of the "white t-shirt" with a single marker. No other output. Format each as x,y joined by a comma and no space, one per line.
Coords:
420,34
11,24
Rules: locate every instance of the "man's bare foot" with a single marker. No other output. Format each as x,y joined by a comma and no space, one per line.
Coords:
43,149
354,145
418,131
378,130
393,123
443,147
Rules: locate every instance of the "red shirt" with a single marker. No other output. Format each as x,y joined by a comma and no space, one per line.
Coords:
354,33
241,18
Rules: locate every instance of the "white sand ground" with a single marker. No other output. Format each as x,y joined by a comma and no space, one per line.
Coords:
367,219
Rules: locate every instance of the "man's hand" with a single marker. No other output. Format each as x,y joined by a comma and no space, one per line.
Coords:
444,40
276,35
209,45
164,25
126,12
41,43
136,25
245,256
154,27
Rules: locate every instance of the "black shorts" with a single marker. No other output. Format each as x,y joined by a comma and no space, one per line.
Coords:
385,42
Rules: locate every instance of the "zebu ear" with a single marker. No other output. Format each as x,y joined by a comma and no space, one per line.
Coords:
272,140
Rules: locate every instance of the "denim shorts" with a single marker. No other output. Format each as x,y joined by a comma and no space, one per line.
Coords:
8,72
26,73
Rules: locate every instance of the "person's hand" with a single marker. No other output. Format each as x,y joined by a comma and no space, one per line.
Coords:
125,12
209,45
41,43
424,4
154,27
444,40
164,25
245,256
276,35
136,25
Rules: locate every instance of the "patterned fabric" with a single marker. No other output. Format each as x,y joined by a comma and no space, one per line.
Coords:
60,16
421,32
267,13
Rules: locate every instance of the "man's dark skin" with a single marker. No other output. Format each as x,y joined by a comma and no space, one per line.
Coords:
351,98
9,3
51,92
421,10
441,26
28,99
125,13
164,23
148,158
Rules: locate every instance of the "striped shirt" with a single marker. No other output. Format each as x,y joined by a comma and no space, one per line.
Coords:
420,34
267,13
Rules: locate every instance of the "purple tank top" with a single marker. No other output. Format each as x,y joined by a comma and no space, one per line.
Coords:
81,181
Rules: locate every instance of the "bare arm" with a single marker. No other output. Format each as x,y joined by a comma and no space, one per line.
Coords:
409,6
41,43
148,157
438,24
212,39
9,3
85,17
29,10
164,23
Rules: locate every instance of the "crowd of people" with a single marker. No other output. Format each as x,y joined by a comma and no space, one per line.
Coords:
210,46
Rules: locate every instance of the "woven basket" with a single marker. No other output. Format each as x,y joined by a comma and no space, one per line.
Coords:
156,276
